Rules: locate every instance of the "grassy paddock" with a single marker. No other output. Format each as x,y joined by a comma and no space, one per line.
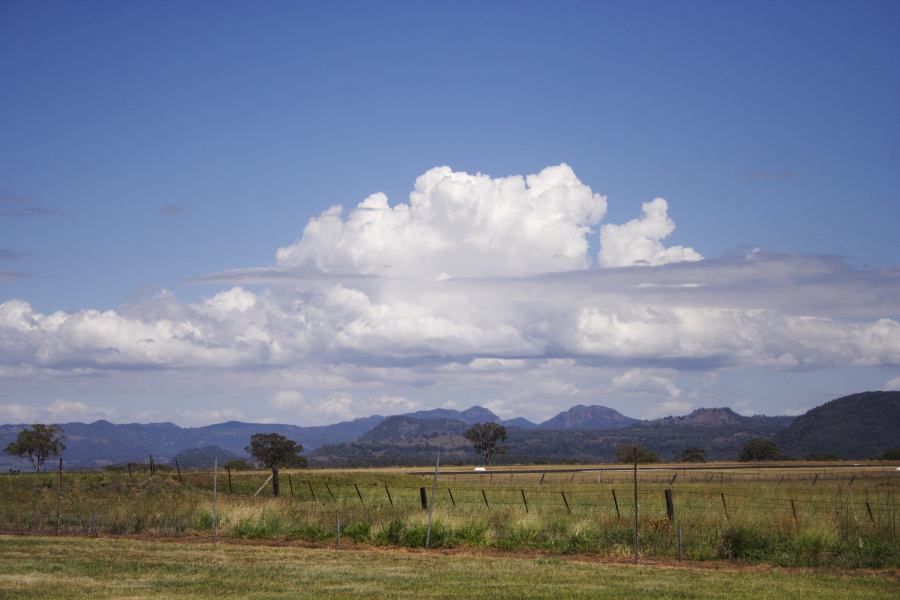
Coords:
42,567
823,515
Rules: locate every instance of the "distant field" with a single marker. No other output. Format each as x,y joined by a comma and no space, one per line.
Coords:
834,514
43,567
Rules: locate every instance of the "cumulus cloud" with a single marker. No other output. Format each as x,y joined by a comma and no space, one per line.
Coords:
481,281
639,241
286,400
458,225
649,381
58,411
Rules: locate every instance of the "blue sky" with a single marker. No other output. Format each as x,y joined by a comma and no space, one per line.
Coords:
143,145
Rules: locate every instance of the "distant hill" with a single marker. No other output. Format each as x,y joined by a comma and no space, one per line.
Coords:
101,443
472,415
520,422
717,417
857,426
405,427
203,458
588,417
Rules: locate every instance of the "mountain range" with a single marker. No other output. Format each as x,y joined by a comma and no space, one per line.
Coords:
857,426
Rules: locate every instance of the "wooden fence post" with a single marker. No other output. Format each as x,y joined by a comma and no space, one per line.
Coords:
214,499
391,500
616,502
569,510
452,501
58,495
524,501
670,505
674,477
725,506
313,493
130,474
290,485
794,510
330,493
358,493
637,548
423,497
483,495
178,467
228,470
869,509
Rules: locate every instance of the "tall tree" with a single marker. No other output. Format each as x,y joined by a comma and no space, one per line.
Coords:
38,443
758,449
485,437
625,454
275,451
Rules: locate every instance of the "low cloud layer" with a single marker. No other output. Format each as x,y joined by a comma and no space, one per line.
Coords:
482,282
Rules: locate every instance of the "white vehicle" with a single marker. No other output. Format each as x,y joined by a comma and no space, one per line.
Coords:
480,469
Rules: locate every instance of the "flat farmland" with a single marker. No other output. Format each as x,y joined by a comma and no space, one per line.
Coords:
792,514
78,567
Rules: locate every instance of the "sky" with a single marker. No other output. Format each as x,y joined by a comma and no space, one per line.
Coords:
310,212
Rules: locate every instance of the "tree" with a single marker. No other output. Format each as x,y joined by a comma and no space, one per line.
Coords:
759,449
37,444
625,454
484,437
274,451
694,455
893,454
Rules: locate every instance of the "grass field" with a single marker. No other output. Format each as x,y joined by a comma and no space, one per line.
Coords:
44,567
820,515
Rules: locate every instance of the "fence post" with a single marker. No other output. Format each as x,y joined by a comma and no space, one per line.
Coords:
130,474
178,468
483,495
725,506
313,493
794,510
290,485
616,502
423,497
815,479
670,505
214,507
391,500
337,534
358,493
674,477
58,495
431,504
452,501
524,501
330,493
228,470
152,466
637,548
680,544
544,474
569,510
869,509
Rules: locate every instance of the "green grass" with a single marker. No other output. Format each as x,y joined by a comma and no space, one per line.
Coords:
42,567
833,525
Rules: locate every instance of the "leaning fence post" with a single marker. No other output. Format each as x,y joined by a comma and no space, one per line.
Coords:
815,479
330,493
524,501
483,495
358,493
616,502
452,501
869,509
674,477
670,505
542,478
58,495
566,501
725,506
794,510
313,493
391,500
178,467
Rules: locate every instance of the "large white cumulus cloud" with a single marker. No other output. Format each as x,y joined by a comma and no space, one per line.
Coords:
458,225
639,241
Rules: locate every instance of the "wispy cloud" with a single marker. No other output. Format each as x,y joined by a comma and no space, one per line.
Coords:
171,211
12,205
